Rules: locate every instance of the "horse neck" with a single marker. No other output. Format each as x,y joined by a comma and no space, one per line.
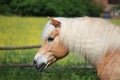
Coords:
91,41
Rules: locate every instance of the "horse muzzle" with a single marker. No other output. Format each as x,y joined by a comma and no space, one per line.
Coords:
40,62
39,67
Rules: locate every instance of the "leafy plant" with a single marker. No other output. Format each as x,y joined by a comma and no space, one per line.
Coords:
68,8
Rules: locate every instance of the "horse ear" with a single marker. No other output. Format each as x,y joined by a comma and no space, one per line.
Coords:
56,23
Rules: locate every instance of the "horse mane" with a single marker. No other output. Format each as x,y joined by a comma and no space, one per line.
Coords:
91,37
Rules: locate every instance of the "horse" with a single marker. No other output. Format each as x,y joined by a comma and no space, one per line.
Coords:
96,39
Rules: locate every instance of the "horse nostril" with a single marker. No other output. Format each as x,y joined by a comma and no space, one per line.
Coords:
34,62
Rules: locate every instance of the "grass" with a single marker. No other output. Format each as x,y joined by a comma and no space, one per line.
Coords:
115,21
20,31
51,74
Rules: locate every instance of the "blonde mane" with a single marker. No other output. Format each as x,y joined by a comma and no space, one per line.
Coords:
91,37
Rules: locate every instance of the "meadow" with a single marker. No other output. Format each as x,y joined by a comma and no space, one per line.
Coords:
25,31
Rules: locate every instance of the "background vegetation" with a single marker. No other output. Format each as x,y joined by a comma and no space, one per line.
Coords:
66,8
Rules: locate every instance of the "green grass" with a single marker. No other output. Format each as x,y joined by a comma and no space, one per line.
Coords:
20,31
51,74
115,21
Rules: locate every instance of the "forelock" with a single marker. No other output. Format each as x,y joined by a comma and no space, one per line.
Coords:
47,30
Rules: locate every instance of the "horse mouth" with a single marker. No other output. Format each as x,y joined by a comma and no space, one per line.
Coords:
40,67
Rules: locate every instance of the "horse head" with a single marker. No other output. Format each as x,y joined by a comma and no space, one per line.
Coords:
52,48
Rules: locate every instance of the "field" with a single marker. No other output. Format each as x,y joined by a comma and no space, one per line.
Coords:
22,31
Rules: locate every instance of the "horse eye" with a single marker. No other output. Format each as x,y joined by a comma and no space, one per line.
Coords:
50,39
